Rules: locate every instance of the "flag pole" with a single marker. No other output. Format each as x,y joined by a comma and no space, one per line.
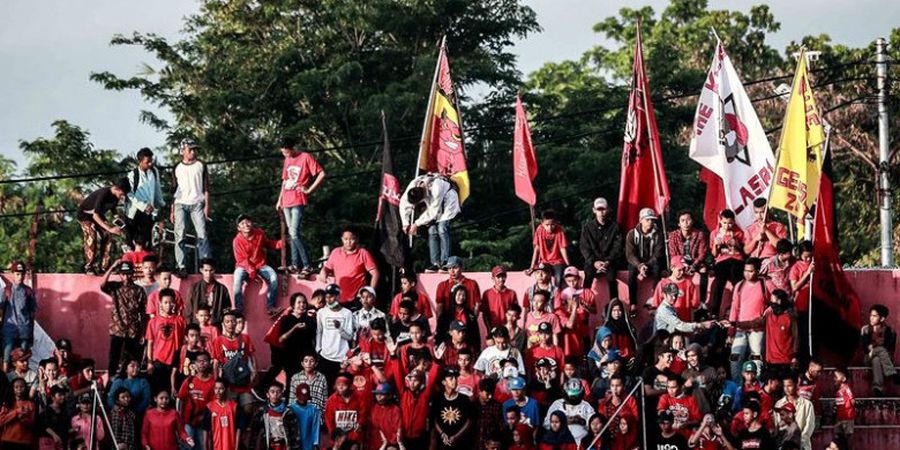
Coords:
429,112
653,150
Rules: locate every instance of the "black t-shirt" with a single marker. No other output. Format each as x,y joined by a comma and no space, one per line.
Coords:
301,340
452,415
675,442
755,439
100,201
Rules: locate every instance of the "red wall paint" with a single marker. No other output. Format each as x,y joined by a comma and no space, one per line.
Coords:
72,306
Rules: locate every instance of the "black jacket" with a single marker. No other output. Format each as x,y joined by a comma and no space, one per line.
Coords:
643,248
890,338
600,242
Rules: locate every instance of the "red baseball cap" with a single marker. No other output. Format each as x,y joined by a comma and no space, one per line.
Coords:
497,270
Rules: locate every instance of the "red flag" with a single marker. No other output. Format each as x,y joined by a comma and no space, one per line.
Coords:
524,162
643,183
835,305
715,198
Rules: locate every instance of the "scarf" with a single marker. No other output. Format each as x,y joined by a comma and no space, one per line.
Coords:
563,436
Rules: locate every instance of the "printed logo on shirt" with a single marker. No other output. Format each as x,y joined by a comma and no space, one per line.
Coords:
293,177
223,421
334,324
751,443
346,419
450,415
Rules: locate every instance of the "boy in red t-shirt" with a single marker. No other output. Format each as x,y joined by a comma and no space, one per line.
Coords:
165,332
195,393
408,283
301,174
164,280
230,344
684,409
726,243
845,410
550,245
345,409
221,419
496,300
208,331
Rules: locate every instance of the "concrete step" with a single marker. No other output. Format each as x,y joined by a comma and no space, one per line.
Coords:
864,436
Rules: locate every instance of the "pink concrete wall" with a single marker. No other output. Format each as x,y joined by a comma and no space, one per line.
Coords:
72,305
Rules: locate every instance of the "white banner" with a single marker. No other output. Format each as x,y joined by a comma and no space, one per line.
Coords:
729,140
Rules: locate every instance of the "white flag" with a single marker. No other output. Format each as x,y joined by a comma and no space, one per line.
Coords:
729,140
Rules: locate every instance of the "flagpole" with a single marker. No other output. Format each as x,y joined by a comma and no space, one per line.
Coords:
653,151
430,111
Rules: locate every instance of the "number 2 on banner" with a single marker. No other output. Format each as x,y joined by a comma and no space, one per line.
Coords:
791,204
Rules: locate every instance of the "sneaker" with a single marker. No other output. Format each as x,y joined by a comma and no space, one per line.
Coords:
292,269
432,269
444,269
181,272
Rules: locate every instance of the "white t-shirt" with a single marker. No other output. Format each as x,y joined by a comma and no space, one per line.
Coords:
333,340
489,360
583,410
191,181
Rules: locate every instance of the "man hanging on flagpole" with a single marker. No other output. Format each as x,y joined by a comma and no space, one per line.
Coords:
434,198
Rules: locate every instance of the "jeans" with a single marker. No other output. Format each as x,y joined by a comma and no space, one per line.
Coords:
266,273
293,216
439,243
744,341
195,211
197,434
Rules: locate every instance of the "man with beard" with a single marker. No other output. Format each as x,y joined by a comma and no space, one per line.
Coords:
780,324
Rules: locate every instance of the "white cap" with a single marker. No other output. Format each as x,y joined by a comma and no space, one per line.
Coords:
600,203
647,213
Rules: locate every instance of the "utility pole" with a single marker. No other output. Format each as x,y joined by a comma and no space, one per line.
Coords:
884,181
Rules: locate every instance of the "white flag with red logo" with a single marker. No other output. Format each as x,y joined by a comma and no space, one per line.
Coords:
729,141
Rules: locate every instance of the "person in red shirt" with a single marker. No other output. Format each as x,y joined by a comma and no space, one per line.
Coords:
301,175
799,277
692,246
469,380
780,323
250,246
709,436
195,393
574,307
408,286
762,234
542,282
614,398
748,303
545,348
345,409
683,407
550,245
686,304
165,332
384,419
164,279
163,426
496,300
776,268
221,420
232,344
442,296
348,267
415,395
18,418
727,247
844,404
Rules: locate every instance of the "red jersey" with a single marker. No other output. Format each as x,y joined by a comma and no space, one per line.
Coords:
550,244
781,337
296,174
532,322
684,409
153,303
533,354
167,333
442,295
160,429
811,391
730,243
843,403
423,305
765,249
194,394
222,424
494,304
383,420
208,333
224,349
468,384
350,270
684,305
801,296
606,407
347,414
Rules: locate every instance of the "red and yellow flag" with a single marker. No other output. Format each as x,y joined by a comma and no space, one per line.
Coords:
799,165
442,150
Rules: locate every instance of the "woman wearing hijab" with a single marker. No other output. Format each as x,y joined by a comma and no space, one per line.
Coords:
625,435
522,438
623,334
558,437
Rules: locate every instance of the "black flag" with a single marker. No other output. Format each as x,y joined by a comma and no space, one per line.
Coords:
389,229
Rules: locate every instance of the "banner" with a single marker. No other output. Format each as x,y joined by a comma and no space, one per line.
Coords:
835,305
524,162
387,220
800,152
442,150
729,141
643,183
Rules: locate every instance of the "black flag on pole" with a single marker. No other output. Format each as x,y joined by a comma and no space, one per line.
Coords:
389,230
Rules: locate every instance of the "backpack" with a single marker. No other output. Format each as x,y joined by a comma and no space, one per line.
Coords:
236,370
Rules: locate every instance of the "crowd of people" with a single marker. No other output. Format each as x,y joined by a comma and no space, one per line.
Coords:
412,372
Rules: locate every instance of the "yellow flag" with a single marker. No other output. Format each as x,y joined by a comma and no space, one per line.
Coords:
799,153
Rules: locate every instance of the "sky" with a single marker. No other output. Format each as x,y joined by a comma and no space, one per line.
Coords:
49,48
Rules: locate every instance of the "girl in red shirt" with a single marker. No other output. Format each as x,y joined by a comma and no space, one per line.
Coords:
163,426
626,434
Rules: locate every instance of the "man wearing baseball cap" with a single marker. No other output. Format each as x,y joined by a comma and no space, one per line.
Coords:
601,247
18,307
686,304
128,315
443,298
497,300
453,415
308,416
528,407
550,245
645,253
249,245
384,418
667,317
